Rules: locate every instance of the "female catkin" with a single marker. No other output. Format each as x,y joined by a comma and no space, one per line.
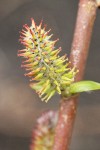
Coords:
49,72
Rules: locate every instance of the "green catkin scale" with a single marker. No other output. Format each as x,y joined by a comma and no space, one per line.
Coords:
49,72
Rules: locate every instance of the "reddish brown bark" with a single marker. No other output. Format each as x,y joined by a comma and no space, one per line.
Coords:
64,127
79,52
82,36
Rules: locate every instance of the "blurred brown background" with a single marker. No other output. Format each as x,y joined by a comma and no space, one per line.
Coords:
19,105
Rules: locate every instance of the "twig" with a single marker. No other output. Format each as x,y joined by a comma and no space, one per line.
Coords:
79,52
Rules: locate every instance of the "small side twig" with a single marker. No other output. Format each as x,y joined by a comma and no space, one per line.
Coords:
79,52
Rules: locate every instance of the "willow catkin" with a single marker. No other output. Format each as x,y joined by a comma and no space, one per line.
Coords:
49,72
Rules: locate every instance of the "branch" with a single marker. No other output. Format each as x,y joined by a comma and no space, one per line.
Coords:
79,52
82,35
